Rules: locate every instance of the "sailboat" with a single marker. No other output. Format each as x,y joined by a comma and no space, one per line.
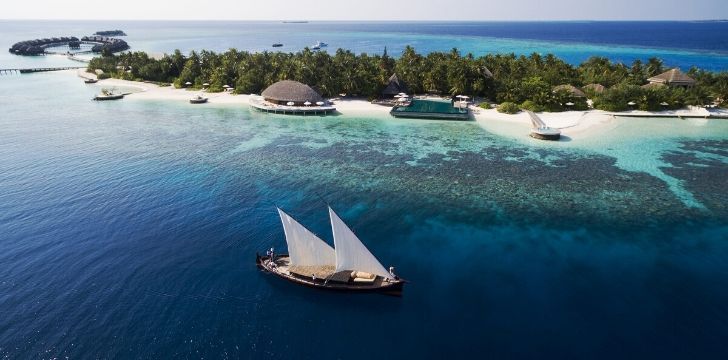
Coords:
314,263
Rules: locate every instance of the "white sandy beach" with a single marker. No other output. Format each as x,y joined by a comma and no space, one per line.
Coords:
572,124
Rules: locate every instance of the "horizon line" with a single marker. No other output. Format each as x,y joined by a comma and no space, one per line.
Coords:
370,20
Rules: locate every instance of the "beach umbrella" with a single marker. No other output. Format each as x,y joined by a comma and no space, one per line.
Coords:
205,84
225,86
188,83
402,99
631,103
290,103
307,103
320,103
569,103
664,104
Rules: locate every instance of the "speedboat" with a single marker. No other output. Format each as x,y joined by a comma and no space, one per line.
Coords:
277,45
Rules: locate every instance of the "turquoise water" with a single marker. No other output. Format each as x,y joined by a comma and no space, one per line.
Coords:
129,230
681,44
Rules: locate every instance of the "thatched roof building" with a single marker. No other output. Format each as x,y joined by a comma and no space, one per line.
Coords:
654,85
596,88
287,91
673,77
573,90
394,87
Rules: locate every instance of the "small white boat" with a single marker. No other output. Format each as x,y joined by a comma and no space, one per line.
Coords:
319,45
108,95
198,99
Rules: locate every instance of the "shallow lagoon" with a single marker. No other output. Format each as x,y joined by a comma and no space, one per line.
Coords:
129,230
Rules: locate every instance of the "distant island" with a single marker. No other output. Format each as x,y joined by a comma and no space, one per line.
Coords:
537,83
296,22
110,33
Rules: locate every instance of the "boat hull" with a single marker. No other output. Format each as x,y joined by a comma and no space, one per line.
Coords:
392,288
198,101
110,97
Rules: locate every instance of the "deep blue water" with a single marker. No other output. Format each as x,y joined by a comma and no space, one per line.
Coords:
682,44
128,230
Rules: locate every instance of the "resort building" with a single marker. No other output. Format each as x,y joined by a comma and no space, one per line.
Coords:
291,97
394,88
571,89
653,85
673,77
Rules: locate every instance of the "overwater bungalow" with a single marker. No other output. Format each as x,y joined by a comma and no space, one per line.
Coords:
673,77
291,97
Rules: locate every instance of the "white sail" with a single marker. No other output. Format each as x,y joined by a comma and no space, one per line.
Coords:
351,254
305,248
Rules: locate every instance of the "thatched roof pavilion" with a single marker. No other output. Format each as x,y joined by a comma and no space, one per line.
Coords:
394,87
573,90
673,77
596,88
288,91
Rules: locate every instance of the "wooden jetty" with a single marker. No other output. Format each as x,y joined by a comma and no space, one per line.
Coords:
35,70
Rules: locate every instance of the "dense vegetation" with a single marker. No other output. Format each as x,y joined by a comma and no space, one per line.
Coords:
524,80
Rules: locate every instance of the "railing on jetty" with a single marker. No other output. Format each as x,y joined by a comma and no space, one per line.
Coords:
35,70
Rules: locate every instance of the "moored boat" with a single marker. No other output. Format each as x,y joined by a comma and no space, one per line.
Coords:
108,95
90,81
277,45
199,99
314,263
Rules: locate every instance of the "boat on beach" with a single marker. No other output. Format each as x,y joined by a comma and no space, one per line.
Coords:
90,81
108,95
312,262
198,99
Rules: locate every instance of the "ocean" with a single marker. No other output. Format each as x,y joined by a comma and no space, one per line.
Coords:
129,229
679,44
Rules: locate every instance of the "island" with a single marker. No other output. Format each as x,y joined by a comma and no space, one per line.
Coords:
509,82
110,33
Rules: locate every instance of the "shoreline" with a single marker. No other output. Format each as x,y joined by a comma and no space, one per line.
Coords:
572,124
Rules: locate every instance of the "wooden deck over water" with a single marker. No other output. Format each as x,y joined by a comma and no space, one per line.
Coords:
259,104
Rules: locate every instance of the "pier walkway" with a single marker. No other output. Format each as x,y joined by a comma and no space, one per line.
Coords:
35,70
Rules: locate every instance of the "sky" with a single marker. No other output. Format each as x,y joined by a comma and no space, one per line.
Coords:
368,10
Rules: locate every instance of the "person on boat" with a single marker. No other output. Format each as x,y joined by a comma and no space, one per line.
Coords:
391,272
272,255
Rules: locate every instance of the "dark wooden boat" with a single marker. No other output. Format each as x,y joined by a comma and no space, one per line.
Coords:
341,281
90,81
277,45
313,263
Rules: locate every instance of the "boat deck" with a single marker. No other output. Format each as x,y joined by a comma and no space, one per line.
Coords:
330,280
260,104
